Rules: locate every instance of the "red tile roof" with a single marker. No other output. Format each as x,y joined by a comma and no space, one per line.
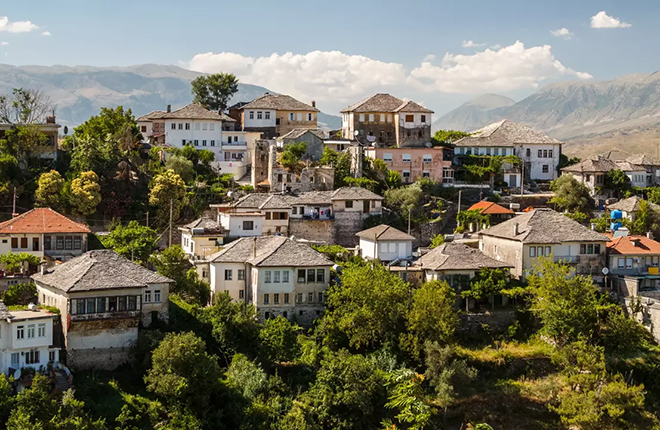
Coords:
491,208
41,220
624,245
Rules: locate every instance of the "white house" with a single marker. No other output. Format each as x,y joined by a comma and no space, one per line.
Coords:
26,339
103,298
275,208
385,243
280,276
242,224
539,152
201,237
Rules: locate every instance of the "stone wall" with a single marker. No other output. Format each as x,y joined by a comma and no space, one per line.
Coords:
99,358
310,179
313,230
346,226
650,316
303,315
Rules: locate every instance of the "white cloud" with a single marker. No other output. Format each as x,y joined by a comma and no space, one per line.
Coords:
46,33
471,44
429,57
496,46
16,26
4,43
562,32
603,20
317,75
510,68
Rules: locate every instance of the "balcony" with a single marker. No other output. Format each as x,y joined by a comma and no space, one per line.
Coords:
105,316
567,259
635,271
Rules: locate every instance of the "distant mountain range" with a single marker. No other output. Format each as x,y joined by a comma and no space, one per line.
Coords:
79,92
591,117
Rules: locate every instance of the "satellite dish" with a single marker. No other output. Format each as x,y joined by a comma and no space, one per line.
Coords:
606,271
66,130
17,374
371,138
356,132
428,144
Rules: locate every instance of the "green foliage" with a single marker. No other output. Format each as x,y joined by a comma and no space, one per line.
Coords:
279,340
292,155
133,241
487,283
407,397
182,167
647,219
445,372
20,294
233,326
602,224
394,179
617,181
578,216
330,157
342,169
336,253
17,262
246,376
85,193
214,91
437,240
175,264
50,188
564,161
447,137
474,218
168,190
653,195
7,401
570,194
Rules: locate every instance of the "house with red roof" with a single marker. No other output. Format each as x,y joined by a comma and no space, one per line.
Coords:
633,263
45,233
496,212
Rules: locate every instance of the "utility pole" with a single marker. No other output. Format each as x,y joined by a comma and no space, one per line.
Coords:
409,210
522,180
13,210
147,218
459,201
171,211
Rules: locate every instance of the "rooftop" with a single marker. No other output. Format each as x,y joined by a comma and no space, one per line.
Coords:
298,132
633,245
631,204
543,225
208,224
278,102
156,114
41,220
99,270
505,133
600,164
270,251
491,208
386,103
197,111
384,232
457,256
23,315
354,193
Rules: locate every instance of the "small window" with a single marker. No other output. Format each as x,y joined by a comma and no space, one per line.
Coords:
276,276
539,251
100,304
361,117
20,332
203,142
173,126
212,142
426,174
583,248
532,251
91,306
251,114
229,273
621,263
405,158
428,158
266,299
528,152
310,275
423,119
320,275
590,249
301,276
187,126
268,276
241,294
77,242
300,117
24,242
143,128
540,154
299,298
285,276
310,117
371,117
267,115
180,126
349,203
259,115
122,303
597,249
132,303
549,153
276,298
545,168
310,297
387,156
30,331
410,118
548,251
286,298
241,274
204,125
157,296
248,225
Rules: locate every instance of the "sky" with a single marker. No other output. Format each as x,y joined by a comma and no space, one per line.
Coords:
438,53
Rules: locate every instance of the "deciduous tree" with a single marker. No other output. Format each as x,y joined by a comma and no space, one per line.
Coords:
49,192
133,241
214,91
85,193
571,194
279,340
168,189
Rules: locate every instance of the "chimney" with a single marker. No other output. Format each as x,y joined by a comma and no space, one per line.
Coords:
254,247
649,235
43,268
313,103
515,229
635,241
593,226
169,108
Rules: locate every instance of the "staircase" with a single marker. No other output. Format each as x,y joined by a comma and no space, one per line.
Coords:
63,381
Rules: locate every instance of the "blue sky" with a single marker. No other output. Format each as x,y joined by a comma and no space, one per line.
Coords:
363,46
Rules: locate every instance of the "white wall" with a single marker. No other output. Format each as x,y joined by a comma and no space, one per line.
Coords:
234,224
263,122
417,120
175,137
536,163
218,283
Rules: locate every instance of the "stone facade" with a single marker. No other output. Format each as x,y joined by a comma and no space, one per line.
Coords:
313,230
346,226
313,140
310,179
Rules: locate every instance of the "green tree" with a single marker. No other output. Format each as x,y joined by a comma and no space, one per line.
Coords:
24,141
570,194
214,91
234,326
368,309
292,155
279,340
247,377
25,106
17,262
133,241
445,372
564,161
182,167
408,398
50,188
653,195
437,240
85,193
330,157
168,190
447,137
487,284
183,373
7,400
342,169
618,182
175,264
20,294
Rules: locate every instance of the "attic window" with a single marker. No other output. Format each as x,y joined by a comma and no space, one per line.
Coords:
410,118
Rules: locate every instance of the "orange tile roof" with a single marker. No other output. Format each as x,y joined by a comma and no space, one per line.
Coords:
490,208
624,245
41,220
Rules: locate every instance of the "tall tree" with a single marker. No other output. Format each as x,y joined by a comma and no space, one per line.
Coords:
617,181
25,106
134,241
168,190
570,194
49,192
214,91
85,193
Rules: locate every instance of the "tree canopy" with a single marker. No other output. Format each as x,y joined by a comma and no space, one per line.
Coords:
214,91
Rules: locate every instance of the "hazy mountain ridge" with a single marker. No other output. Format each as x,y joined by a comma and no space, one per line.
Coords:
79,92
580,113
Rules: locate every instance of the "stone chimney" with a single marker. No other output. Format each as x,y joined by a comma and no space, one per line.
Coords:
313,103
169,108
515,229
649,235
254,247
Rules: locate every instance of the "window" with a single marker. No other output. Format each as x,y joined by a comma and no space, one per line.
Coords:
382,117
629,263
286,298
545,153
310,297
80,306
112,303
147,296
276,298
597,249
248,225
14,242
196,142
310,117
267,114
183,142
371,117
528,152
32,357
301,276
213,143
583,249
14,359
387,156
428,158
30,331
487,151
187,126
241,294
383,247
266,299
46,243
532,251
100,304
321,298
300,116
276,278
180,126
229,274
203,143
143,128
204,125
132,303
77,242
211,126
20,332
294,211
320,275
545,168
51,355
91,306
540,155
539,251
228,139
259,115
590,249
426,174
406,175
285,276
621,263
405,158
251,115
268,275
389,118
548,251
410,118
423,118
122,303
173,126
310,275
292,116
157,296
361,117
392,247
299,298
24,242
241,274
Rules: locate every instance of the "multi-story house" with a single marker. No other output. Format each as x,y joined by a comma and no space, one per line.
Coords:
49,128
387,121
540,153
433,163
103,299
202,237
275,211
275,115
592,172
27,339
542,232
630,207
385,243
633,263
651,164
280,276
44,233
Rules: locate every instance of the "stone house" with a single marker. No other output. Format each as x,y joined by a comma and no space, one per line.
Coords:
242,224
103,298
591,172
542,232
540,153
44,233
387,121
633,262
278,275
275,115
27,339
651,164
202,237
385,243
275,208
630,207
48,128
434,163
314,138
